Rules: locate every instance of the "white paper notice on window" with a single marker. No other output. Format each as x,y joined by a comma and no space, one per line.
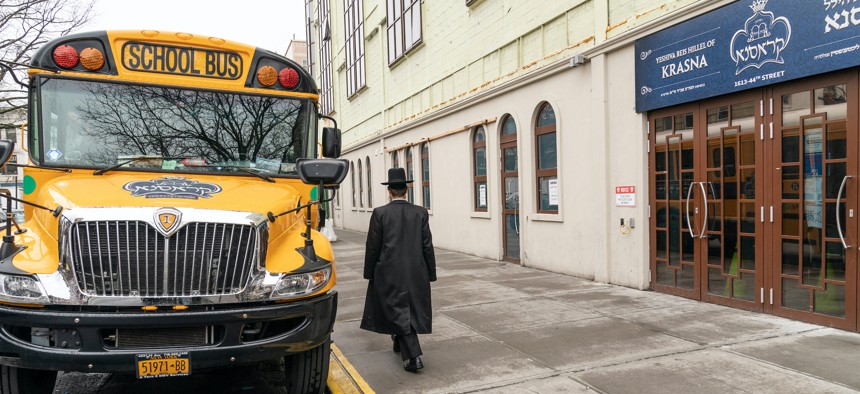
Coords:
553,191
482,195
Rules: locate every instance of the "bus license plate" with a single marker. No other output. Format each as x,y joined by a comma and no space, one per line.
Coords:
161,365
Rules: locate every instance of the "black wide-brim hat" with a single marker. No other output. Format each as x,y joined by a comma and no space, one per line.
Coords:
397,177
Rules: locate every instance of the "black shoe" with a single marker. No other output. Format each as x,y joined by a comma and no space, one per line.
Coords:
413,364
396,346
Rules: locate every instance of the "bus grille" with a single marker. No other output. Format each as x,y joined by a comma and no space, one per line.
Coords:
131,258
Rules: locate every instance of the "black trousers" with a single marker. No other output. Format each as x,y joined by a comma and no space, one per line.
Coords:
409,346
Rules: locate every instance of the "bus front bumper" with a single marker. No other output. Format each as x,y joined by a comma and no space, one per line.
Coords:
96,341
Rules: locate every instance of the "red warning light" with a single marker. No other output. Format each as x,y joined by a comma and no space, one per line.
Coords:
65,56
288,77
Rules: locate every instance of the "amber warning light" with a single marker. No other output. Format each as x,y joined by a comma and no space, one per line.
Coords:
92,59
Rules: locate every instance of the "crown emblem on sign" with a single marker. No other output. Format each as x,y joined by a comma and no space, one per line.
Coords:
758,5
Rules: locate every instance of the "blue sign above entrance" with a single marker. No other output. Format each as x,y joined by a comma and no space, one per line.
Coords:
746,44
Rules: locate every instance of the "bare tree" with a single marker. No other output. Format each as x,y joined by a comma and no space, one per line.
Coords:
26,25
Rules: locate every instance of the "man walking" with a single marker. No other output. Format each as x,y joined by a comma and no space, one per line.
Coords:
400,264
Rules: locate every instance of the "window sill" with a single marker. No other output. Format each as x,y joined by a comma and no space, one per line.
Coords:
357,92
546,217
481,215
406,54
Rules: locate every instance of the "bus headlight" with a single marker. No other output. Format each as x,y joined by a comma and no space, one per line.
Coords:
301,284
22,289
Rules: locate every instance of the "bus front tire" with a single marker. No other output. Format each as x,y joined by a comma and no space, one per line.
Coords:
307,372
26,381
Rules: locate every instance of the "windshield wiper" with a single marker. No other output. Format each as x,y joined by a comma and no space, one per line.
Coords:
247,171
39,167
129,161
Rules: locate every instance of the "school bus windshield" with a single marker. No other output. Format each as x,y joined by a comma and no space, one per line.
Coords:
95,125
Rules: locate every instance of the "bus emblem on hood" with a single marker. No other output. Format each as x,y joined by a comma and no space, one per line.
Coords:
167,220
172,187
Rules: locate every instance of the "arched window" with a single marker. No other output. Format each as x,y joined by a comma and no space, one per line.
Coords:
352,181
509,128
479,171
369,183
546,151
395,161
410,195
360,186
425,174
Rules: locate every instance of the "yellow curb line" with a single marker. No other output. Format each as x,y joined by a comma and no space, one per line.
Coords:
342,376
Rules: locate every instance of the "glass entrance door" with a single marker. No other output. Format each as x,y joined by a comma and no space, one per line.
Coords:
755,197
733,225
675,196
510,189
815,201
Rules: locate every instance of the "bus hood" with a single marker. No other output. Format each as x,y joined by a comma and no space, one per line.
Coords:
228,193
138,197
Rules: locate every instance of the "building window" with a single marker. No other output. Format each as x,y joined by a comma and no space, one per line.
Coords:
11,170
395,161
404,27
369,184
354,21
352,181
410,194
546,163
326,100
425,173
360,186
309,32
479,171
12,135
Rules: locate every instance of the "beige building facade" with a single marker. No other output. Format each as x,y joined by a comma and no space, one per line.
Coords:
530,139
11,177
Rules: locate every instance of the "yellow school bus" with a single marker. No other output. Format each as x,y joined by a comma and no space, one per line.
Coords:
168,225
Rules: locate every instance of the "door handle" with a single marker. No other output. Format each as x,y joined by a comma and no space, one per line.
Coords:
689,225
705,196
838,221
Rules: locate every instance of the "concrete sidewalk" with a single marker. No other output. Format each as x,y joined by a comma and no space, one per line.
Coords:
502,328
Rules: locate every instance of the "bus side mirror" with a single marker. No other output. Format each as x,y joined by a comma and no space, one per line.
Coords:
328,172
331,142
6,148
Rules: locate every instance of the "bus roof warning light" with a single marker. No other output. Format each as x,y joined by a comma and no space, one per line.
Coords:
267,75
65,56
92,59
288,78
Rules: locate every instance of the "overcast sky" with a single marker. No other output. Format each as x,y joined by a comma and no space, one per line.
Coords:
269,24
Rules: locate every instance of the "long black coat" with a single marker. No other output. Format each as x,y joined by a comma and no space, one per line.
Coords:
400,264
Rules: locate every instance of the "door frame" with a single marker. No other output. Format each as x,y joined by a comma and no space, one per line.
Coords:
760,169
506,141
852,306
769,196
695,292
